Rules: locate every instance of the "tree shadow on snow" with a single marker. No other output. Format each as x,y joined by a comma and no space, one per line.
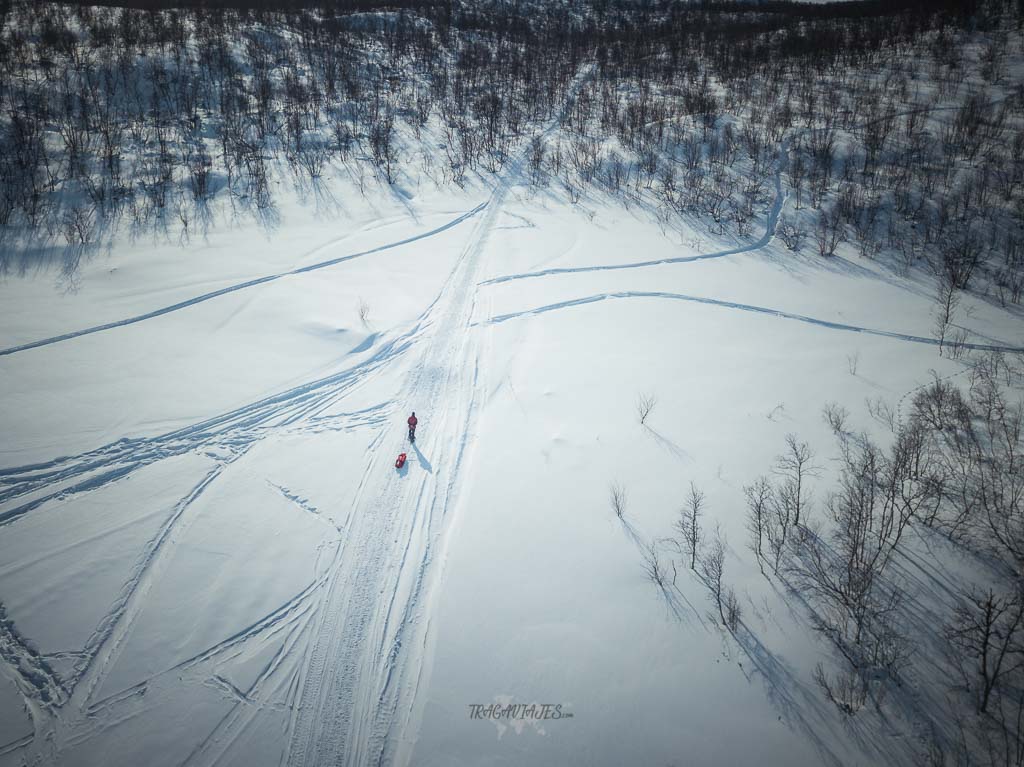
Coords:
675,600
668,444
911,699
797,704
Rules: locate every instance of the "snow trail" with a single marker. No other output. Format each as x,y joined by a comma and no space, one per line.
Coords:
771,223
241,286
745,308
358,688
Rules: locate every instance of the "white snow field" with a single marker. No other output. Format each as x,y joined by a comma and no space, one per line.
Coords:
207,556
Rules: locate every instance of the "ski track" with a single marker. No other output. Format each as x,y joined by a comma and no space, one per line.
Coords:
62,718
358,689
745,308
771,224
241,286
65,476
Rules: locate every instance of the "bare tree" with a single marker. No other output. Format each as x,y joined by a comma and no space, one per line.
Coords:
986,635
538,152
382,145
946,303
760,498
795,466
877,498
733,609
644,405
848,690
791,234
79,225
776,531
690,524
962,254
617,495
712,568
797,173
653,567
835,416
828,231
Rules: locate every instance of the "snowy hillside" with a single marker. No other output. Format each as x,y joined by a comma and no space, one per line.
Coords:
717,360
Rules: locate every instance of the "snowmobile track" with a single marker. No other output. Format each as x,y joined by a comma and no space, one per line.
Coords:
745,308
240,286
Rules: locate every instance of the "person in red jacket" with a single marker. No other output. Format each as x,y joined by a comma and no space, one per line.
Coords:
412,426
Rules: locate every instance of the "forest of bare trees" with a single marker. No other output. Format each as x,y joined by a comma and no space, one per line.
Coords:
896,128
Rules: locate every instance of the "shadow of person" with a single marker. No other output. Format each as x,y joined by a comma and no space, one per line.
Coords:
422,459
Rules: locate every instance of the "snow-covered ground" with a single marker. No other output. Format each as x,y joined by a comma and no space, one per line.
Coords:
208,557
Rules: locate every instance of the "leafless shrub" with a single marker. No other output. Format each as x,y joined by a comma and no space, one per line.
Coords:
653,566
312,159
733,610
835,416
848,690
792,235
617,495
941,408
882,412
828,232
644,405
199,166
382,146
538,151
79,225
879,494
975,445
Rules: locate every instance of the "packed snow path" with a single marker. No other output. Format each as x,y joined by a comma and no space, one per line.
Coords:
364,664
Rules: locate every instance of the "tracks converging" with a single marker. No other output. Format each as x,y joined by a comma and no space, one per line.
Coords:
347,669
67,710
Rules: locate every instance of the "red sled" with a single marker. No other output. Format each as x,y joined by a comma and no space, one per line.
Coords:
400,462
